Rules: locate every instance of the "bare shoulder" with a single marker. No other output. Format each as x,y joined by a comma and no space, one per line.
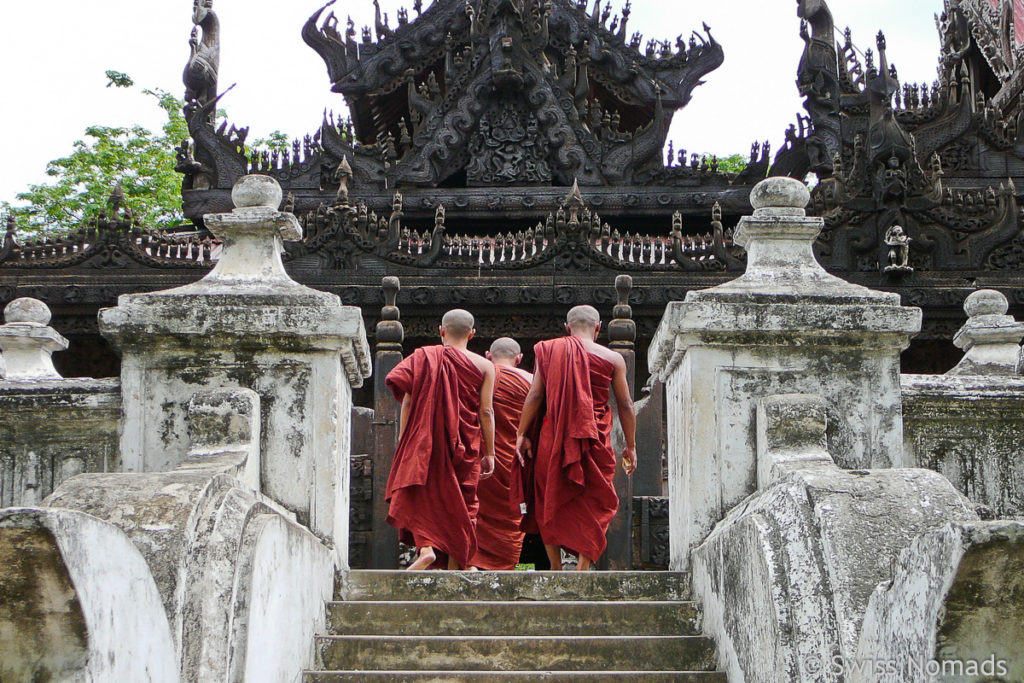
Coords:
524,374
482,364
604,352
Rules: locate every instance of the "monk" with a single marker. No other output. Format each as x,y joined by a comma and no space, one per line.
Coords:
574,496
445,445
499,537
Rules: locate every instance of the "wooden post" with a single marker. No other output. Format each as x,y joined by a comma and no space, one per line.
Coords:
622,338
650,440
389,337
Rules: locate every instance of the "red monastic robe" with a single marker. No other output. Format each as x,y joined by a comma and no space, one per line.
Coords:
574,493
432,487
499,538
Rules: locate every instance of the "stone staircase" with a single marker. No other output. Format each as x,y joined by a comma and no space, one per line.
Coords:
414,627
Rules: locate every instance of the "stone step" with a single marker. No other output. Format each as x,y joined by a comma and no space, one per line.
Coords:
515,676
493,618
541,653
504,586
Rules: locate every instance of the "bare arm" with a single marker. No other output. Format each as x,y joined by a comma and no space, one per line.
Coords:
531,408
403,416
487,420
627,415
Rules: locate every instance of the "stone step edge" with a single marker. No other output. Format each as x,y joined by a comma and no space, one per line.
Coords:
569,639
597,575
628,675
525,604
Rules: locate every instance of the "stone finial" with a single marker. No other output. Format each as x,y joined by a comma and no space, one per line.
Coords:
990,338
986,302
27,341
257,192
390,331
27,311
779,239
780,196
252,235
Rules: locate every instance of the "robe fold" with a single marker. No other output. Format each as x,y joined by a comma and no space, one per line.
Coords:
499,539
574,468
432,487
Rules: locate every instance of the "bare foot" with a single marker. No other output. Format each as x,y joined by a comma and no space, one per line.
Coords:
473,569
425,559
584,564
554,556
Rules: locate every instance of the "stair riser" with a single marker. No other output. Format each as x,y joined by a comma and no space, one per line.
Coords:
517,654
511,619
505,677
455,586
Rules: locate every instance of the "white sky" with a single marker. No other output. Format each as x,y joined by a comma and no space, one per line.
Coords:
54,55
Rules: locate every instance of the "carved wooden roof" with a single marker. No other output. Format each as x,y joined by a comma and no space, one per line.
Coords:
511,92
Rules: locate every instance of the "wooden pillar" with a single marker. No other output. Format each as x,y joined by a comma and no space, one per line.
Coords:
650,440
622,338
390,334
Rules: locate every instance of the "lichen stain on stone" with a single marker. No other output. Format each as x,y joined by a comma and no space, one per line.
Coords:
982,611
43,634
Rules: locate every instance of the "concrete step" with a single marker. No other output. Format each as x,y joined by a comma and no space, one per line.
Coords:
493,618
522,653
505,586
514,676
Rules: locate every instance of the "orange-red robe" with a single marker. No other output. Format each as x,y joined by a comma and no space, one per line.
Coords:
574,493
434,476
499,538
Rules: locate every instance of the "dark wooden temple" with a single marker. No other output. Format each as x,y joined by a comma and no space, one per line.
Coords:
509,157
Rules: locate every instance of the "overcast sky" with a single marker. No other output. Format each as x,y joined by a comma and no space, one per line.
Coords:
55,54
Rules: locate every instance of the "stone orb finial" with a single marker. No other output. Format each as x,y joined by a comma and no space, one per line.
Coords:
780,193
257,191
27,310
986,302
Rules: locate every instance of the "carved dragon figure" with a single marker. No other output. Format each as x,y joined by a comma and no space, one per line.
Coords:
818,80
200,76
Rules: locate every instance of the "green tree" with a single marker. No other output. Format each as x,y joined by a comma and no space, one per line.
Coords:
734,163
140,160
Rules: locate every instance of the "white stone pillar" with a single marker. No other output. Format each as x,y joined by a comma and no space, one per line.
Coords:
990,338
248,325
785,326
28,342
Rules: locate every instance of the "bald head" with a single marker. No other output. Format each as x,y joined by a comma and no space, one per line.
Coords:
505,349
583,318
458,323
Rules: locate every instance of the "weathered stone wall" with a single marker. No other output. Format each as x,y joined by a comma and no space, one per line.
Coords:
52,430
223,558
971,429
785,578
952,610
80,603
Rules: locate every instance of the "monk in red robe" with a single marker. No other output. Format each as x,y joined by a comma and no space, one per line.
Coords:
574,496
445,445
499,538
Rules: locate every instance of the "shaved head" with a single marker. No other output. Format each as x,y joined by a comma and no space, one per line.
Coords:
505,348
583,318
458,323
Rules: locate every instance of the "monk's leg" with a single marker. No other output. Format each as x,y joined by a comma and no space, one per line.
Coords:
584,564
554,556
425,559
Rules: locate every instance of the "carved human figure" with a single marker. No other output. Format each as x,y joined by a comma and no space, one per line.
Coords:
899,250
